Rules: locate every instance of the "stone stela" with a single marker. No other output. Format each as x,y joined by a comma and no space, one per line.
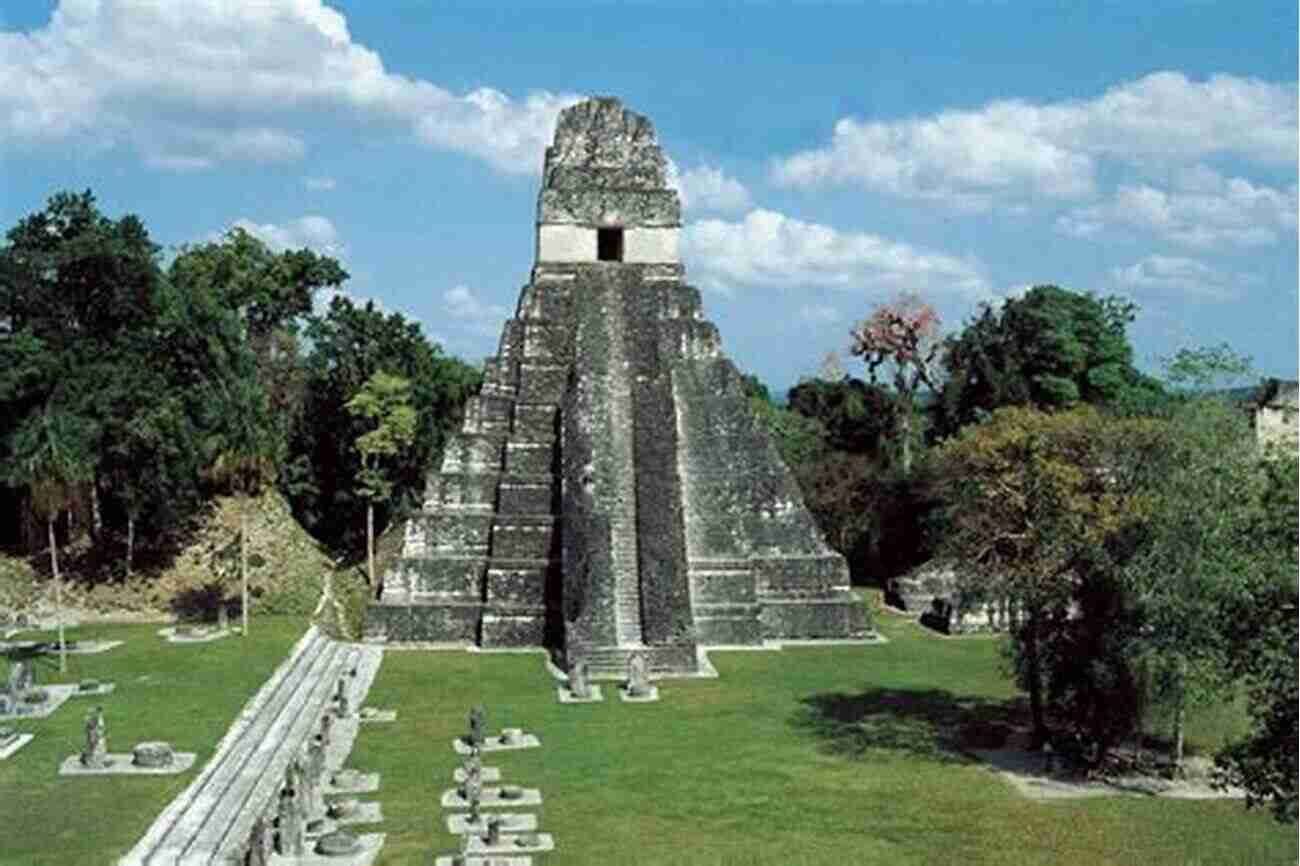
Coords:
611,492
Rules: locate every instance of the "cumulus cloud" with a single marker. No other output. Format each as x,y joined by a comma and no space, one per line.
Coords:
1204,210
1176,275
819,314
313,231
705,188
189,85
1012,149
473,314
771,250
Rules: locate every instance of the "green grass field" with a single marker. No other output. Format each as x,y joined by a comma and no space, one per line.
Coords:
834,755
185,694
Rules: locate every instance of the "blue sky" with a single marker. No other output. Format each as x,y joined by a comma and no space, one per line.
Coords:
829,155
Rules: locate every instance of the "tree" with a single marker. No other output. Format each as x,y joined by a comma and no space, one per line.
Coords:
75,288
1259,625
1034,502
1179,576
52,458
1051,348
349,344
243,459
384,401
271,292
904,335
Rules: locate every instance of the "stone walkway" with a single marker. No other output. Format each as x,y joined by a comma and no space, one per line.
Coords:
211,820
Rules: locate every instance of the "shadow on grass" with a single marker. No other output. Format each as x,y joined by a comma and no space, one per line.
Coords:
929,723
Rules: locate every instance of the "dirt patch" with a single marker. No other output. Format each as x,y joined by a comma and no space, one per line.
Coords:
1027,774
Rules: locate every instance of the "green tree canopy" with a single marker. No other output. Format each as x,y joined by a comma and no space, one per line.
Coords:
1051,348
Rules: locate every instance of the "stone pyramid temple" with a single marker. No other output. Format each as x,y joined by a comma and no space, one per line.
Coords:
612,491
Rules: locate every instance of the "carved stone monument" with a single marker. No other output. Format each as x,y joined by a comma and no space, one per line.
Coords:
638,681
611,491
477,722
579,685
95,753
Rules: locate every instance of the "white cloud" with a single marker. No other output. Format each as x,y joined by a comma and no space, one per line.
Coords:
475,316
705,188
768,249
314,232
1013,150
192,84
819,314
319,184
1177,275
1205,210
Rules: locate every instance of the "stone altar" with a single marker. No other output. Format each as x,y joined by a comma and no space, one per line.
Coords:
611,491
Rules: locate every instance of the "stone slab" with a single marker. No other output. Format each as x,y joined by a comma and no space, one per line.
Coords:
80,648
57,695
520,822
376,716
172,637
101,689
371,812
491,799
488,774
365,783
643,699
568,697
371,843
494,744
481,860
120,765
23,739
512,843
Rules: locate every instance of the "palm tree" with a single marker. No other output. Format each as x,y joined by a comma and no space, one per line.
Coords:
243,460
52,459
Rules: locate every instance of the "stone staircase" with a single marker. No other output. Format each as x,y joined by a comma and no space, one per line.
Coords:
210,821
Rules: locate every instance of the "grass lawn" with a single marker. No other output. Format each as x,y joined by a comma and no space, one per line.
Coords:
185,694
835,755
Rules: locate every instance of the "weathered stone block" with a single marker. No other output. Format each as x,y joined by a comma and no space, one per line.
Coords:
518,586
734,630
467,488
523,538
445,575
801,577
710,585
535,422
501,630
815,619
458,531
542,383
517,497
530,458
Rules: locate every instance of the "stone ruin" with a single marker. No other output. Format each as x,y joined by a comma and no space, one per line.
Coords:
611,491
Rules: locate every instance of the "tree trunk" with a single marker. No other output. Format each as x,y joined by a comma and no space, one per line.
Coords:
243,564
1034,675
370,546
906,428
58,594
130,543
96,519
1180,709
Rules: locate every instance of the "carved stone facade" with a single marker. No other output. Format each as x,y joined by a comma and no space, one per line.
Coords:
1277,416
611,491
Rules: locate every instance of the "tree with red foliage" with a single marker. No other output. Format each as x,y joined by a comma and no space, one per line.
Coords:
904,334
